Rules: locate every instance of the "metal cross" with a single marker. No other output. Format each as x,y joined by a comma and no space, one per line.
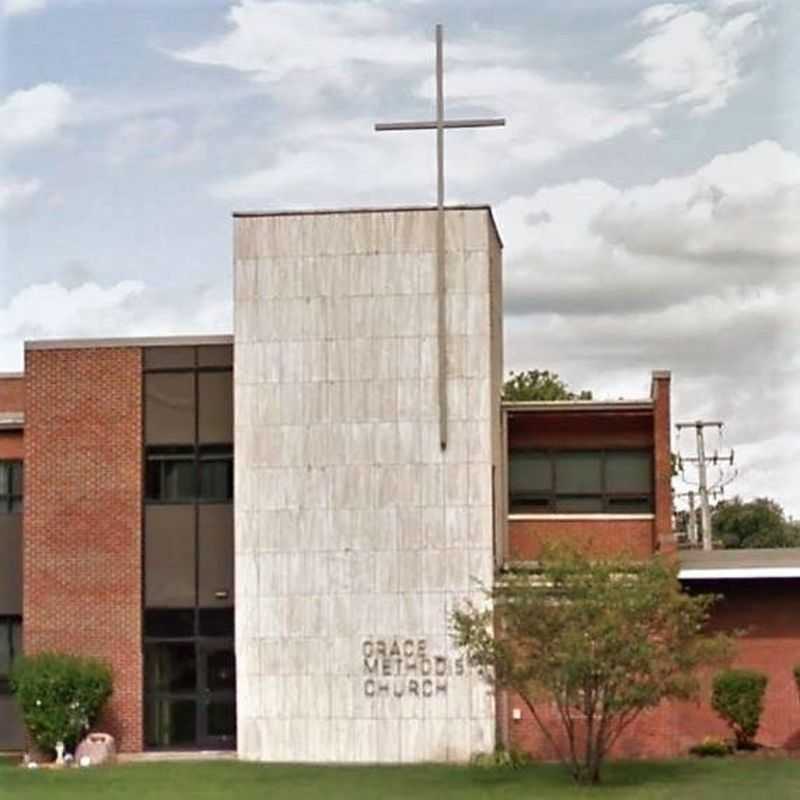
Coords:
439,125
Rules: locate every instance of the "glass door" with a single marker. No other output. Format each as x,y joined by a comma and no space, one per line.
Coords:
217,697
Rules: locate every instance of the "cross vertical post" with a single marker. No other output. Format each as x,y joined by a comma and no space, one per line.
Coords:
439,125
441,275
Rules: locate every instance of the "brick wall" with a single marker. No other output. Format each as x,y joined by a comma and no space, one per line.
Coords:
663,539
11,445
82,551
12,392
765,612
597,536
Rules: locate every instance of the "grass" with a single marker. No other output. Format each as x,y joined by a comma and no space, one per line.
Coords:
710,779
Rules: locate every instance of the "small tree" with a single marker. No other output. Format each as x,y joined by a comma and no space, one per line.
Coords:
535,384
60,696
602,641
738,697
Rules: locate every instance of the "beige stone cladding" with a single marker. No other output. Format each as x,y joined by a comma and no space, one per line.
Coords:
356,535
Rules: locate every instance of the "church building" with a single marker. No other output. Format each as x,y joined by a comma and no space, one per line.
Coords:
265,534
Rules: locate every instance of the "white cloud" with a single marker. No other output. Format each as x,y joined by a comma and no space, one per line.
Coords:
739,207
730,223
32,116
11,8
16,193
698,273
128,308
142,137
694,57
300,48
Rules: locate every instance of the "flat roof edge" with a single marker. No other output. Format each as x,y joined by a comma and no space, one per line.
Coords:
732,573
12,420
578,405
306,212
135,341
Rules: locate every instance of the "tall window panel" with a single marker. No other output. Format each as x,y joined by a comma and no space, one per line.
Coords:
11,487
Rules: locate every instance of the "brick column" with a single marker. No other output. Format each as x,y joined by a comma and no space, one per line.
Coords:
663,539
82,552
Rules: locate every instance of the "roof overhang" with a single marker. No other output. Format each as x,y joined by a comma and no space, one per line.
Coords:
562,406
700,565
11,420
140,341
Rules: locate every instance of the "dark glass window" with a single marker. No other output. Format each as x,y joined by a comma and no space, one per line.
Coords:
580,481
10,647
222,719
11,487
171,667
171,475
216,622
171,722
169,623
216,474
186,474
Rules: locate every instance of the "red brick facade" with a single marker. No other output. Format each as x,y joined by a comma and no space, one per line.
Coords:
12,392
82,528
588,428
603,537
765,612
12,399
638,536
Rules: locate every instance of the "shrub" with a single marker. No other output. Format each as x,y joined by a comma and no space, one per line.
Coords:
738,697
509,759
60,696
711,746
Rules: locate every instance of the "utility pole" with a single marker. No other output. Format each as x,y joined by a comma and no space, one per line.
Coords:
702,480
705,508
691,523
692,520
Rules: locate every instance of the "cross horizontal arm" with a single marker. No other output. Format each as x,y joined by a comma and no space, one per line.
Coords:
428,126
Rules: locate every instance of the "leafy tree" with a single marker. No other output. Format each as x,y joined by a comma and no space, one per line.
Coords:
60,696
738,697
601,640
543,385
755,523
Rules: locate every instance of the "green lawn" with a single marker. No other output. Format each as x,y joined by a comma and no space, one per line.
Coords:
704,780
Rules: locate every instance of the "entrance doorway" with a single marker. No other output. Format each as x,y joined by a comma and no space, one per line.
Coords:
190,692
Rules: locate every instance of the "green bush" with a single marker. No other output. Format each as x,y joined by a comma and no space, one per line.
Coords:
738,697
508,759
60,696
711,746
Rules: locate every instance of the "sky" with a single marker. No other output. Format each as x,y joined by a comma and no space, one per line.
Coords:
646,186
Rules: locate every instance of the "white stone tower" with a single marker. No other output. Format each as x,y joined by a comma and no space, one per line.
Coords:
356,534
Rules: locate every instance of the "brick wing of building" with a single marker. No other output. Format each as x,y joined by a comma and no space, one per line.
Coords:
304,616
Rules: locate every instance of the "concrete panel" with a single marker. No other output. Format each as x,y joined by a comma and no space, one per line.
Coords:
355,534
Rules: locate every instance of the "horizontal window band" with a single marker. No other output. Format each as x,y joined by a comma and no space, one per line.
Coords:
570,517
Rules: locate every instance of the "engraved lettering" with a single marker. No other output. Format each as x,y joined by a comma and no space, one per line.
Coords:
370,666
